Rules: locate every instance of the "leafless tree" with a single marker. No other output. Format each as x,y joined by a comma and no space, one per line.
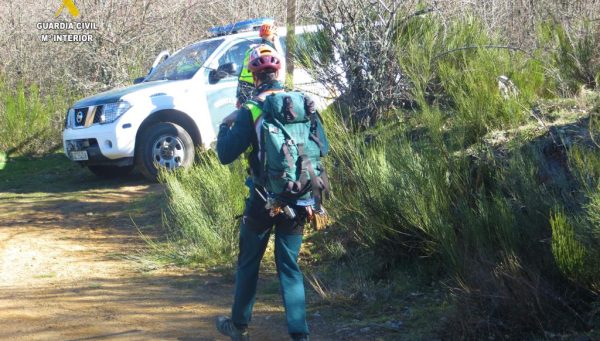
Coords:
129,35
131,32
363,61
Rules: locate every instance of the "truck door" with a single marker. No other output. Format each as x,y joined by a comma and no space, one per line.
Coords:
220,96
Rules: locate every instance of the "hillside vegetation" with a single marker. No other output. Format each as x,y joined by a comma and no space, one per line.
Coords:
492,191
465,161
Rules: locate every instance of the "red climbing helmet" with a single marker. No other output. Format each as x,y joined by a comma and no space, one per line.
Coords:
264,58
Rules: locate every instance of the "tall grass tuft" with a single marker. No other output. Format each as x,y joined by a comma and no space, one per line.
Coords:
394,194
457,67
576,236
570,254
204,205
573,54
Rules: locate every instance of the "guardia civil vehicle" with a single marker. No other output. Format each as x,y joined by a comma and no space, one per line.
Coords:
176,108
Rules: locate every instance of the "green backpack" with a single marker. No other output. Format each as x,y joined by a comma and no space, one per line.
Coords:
292,144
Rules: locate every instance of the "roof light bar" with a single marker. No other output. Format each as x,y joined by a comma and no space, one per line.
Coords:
242,26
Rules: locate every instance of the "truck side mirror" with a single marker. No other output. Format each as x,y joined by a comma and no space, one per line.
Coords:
228,69
138,80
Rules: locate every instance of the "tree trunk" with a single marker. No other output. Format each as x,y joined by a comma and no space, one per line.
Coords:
290,42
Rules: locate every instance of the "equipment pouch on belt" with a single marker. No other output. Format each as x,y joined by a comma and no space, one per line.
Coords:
319,219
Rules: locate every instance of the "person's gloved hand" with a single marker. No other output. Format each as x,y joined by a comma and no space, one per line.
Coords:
230,119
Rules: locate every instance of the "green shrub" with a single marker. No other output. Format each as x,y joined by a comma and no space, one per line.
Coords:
573,54
575,246
31,120
204,205
457,66
411,189
576,235
398,195
484,218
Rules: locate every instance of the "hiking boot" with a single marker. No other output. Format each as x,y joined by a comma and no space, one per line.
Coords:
299,337
226,327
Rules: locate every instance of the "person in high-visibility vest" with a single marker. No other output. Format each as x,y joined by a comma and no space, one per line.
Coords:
268,33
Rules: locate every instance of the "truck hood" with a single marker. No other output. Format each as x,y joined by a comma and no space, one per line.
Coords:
115,95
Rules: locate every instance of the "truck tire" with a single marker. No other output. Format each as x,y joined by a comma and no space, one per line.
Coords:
165,145
110,172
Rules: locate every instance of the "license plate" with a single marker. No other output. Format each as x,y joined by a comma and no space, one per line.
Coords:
79,155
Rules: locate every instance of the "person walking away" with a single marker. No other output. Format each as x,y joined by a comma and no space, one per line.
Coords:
274,205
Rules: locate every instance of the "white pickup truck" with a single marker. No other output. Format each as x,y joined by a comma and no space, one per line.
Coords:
176,108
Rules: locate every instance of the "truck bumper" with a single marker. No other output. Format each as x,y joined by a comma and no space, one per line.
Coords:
101,144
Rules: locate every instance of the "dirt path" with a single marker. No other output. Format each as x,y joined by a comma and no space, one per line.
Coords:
67,273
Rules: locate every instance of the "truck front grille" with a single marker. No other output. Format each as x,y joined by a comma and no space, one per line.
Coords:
80,117
98,114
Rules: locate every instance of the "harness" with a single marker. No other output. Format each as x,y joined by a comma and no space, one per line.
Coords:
255,107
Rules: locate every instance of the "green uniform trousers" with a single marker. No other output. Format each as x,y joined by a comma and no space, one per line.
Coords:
255,231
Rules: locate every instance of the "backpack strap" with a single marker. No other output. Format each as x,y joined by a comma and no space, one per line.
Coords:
315,184
313,115
288,109
325,179
313,136
255,110
286,151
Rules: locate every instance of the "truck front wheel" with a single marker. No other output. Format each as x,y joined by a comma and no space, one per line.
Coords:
164,145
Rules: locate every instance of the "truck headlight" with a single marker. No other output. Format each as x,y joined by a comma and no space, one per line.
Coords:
112,111
69,117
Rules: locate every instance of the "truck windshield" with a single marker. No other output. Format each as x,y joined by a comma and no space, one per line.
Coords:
185,63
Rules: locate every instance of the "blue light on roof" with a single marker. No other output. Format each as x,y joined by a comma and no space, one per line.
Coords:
242,26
